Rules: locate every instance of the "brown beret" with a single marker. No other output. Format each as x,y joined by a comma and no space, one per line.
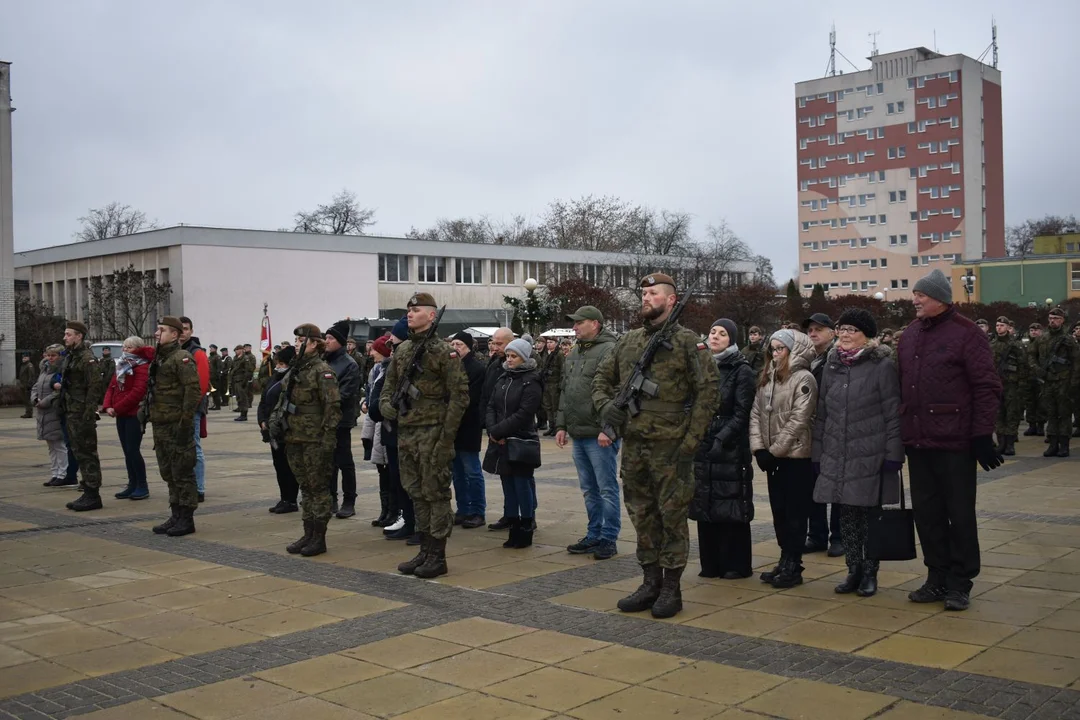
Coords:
1058,312
238,347
982,321
421,299
76,326
310,331
173,322
1035,326
1003,319
657,279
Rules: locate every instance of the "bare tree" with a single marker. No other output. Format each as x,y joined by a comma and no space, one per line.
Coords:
343,216
1020,239
121,304
483,231
113,220
588,223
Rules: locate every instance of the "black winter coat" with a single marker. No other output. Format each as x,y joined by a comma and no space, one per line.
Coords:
470,432
723,473
387,428
511,412
493,372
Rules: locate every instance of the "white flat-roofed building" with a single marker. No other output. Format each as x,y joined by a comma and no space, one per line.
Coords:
221,277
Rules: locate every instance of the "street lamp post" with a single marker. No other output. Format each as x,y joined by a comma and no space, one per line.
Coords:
529,310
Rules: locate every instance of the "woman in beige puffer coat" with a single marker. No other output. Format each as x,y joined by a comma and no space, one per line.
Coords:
781,424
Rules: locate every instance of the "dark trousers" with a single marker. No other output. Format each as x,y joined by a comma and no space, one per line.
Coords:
791,493
287,484
725,547
519,494
130,431
943,497
404,502
343,461
824,523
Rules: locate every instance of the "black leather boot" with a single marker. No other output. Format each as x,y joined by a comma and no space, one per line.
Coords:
669,603
90,500
165,526
501,524
526,526
1052,450
515,524
851,582
1010,445
645,596
435,563
1031,430
768,575
185,523
384,499
348,507
790,573
296,547
409,566
1063,446
868,586
317,544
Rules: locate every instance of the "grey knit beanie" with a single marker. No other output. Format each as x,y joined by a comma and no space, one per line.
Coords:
521,347
935,285
785,336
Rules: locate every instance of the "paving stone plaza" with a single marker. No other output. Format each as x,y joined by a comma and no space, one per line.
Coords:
101,619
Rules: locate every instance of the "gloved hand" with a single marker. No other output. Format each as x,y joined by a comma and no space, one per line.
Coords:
891,466
443,455
986,452
765,460
614,416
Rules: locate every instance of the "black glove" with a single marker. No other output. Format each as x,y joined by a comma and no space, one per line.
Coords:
614,416
765,460
185,434
986,452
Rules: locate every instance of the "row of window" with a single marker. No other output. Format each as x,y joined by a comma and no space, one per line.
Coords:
940,237
841,265
941,146
927,214
920,82
920,126
939,191
835,181
924,170
467,271
869,90
844,221
854,243
937,102
894,108
877,133
917,260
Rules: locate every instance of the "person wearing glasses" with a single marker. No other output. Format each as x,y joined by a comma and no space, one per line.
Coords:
780,427
857,451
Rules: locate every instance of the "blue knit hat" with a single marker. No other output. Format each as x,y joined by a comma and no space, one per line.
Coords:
401,329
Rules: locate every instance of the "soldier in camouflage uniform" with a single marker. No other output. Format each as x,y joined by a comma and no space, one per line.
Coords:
1076,392
216,384
262,376
172,398
305,419
27,377
755,350
660,442
426,433
226,375
1036,413
1057,366
107,368
552,375
80,393
1011,362
984,325
240,381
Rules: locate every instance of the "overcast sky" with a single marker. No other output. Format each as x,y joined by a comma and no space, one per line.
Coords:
240,113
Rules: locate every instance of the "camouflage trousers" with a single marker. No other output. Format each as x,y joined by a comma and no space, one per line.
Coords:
551,404
175,450
1036,411
82,436
242,397
657,490
1057,399
1010,412
313,466
426,481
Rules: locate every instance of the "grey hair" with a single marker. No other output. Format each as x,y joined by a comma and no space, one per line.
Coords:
135,342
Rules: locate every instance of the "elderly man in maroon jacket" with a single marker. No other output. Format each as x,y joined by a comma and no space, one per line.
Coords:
949,401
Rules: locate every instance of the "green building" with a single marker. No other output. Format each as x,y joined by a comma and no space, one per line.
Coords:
1051,272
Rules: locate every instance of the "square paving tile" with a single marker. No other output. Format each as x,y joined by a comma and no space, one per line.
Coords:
827,636
13,656
797,696
391,694
784,604
405,651
103,661
862,615
136,711
1025,666
475,632
257,585
545,646
645,703
477,579
554,689
217,575
28,677
71,640
594,598
321,674
475,669
74,600
122,610
950,627
722,595
921,651
716,683
191,597
1007,613
237,608
742,622
905,710
178,567
1046,640
308,708
1030,596
354,606
1062,620
475,707
624,664
284,622
304,595
147,588
205,639
229,698
159,625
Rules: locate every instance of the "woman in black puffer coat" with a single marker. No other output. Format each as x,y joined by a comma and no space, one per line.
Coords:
723,503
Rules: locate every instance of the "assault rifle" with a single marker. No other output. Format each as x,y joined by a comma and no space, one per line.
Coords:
406,390
637,385
148,399
1052,358
285,403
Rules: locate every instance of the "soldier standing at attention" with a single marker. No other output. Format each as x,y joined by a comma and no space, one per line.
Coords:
215,377
427,431
240,382
1010,359
984,325
552,374
226,374
660,442
305,419
755,351
79,397
27,377
172,399
1076,385
1057,366
1036,413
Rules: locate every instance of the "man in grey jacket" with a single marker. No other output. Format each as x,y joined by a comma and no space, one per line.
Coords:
824,526
579,420
348,377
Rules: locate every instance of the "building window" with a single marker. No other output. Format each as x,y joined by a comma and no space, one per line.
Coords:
393,268
1076,276
431,269
894,284
469,271
623,276
903,284
914,260
502,272
592,274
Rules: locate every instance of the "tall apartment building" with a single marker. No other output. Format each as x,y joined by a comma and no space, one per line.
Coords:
900,170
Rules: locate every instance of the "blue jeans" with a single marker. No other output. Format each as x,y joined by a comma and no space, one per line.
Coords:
598,478
200,463
468,484
519,496
131,435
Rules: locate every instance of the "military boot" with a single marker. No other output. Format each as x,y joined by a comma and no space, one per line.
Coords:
384,501
1001,444
348,507
1010,445
851,582
165,526
645,596
768,575
184,525
1052,450
1063,446
317,544
435,564
90,500
669,602
243,416
790,573
409,566
1032,429
309,529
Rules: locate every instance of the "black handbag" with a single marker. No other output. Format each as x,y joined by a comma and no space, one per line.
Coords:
890,532
523,451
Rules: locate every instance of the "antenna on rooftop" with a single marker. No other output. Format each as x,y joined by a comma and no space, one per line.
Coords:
873,42
830,71
993,34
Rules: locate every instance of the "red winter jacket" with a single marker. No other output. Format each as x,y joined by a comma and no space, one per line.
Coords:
950,390
125,394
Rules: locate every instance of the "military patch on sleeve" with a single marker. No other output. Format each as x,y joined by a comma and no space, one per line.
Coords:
185,360
328,375
453,354
701,346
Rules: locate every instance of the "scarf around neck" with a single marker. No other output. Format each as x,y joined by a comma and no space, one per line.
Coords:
127,363
848,357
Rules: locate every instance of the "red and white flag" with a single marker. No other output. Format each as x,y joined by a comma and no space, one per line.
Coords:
264,341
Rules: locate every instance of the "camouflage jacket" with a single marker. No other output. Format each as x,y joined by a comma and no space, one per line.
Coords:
687,378
552,370
28,374
1011,362
312,390
1057,358
443,386
107,368
174,392
755,355
214,361
80,390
